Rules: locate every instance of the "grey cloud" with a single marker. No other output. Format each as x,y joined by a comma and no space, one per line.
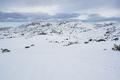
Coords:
68,5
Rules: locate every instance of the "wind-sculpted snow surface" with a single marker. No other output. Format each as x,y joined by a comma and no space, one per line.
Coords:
61,50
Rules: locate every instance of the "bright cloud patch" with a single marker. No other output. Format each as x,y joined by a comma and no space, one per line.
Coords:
105,12
83,17
51,10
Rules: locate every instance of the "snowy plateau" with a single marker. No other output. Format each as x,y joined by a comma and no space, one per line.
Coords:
60,50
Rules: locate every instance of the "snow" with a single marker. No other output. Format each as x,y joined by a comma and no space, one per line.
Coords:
51,60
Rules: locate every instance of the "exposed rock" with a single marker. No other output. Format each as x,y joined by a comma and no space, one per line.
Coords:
90,39
100,40
42,33
71,43
5,50
86,42
116,47
32,45
116,39
27,46
22,34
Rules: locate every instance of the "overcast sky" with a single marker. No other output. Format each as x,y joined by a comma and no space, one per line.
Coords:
107,8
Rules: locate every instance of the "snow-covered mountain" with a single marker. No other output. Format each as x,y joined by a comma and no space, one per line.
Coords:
79,31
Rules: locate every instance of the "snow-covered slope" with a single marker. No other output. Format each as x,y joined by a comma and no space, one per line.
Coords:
65,31
64,50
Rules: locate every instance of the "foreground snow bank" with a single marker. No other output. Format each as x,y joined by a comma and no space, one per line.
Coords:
45,61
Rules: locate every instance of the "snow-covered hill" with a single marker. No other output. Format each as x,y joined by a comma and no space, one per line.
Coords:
65,31
60,50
